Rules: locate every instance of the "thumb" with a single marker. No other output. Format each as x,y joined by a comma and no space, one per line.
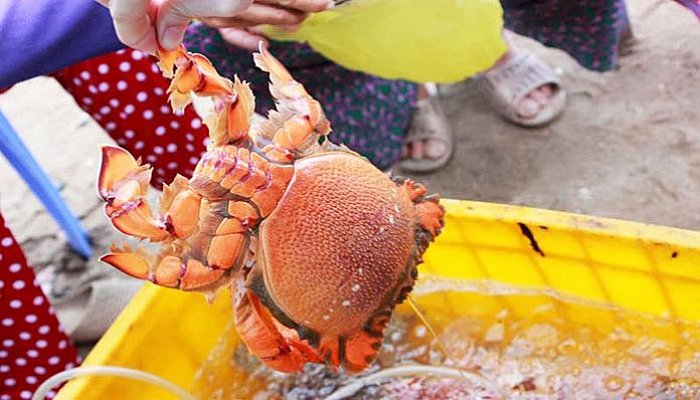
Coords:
174,15
132,23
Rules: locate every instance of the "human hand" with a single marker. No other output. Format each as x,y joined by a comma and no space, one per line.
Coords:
134,19
245,29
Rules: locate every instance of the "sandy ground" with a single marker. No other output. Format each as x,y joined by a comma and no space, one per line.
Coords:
627,147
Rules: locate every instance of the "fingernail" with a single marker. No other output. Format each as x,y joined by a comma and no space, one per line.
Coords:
251,44
255,44
171,38
330,4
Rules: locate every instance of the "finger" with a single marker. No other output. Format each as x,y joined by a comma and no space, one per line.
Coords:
309,6
260,29
261,14
232,22
235,22
256,30
133,23
283,28
242,38
174,15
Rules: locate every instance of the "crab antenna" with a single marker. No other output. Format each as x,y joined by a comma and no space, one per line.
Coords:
427,324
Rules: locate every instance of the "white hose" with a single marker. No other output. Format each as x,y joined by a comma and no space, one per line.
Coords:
69,374
407,370
343,392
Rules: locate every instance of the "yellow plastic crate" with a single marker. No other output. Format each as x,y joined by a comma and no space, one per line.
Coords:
650,269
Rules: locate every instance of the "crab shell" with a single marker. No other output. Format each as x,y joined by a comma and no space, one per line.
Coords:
338,250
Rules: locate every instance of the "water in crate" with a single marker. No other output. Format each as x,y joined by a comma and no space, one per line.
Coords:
511,343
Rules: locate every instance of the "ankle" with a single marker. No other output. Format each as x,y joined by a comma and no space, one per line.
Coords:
422,92
504,58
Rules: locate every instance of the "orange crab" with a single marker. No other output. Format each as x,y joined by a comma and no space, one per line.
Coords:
317,244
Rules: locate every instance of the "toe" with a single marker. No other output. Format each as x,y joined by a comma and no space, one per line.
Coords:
546,90
418,149
541,99
528,107
405,150
435,149
542,95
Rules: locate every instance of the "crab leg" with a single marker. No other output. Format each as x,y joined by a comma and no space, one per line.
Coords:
274,344
291,131
123,184
297,124
203,240
430,212
202,262
233,101
170,271
200,247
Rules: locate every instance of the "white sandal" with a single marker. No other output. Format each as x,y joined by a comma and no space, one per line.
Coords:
429,123
507,84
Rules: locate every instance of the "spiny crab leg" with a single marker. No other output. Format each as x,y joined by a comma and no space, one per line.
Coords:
165,270
277,346
295,127
123,184
233,101
289,132
200,246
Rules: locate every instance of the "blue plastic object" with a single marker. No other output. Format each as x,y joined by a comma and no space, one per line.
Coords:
21,159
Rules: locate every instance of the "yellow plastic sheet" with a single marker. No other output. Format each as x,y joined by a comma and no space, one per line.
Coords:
417,40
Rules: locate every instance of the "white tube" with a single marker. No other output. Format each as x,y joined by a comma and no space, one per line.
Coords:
407,370
69,374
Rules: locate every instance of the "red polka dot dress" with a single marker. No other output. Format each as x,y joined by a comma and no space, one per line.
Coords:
125,93
33,346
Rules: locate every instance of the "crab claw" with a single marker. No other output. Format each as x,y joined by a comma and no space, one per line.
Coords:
277,346
192,73
129,263
116,165
122,184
